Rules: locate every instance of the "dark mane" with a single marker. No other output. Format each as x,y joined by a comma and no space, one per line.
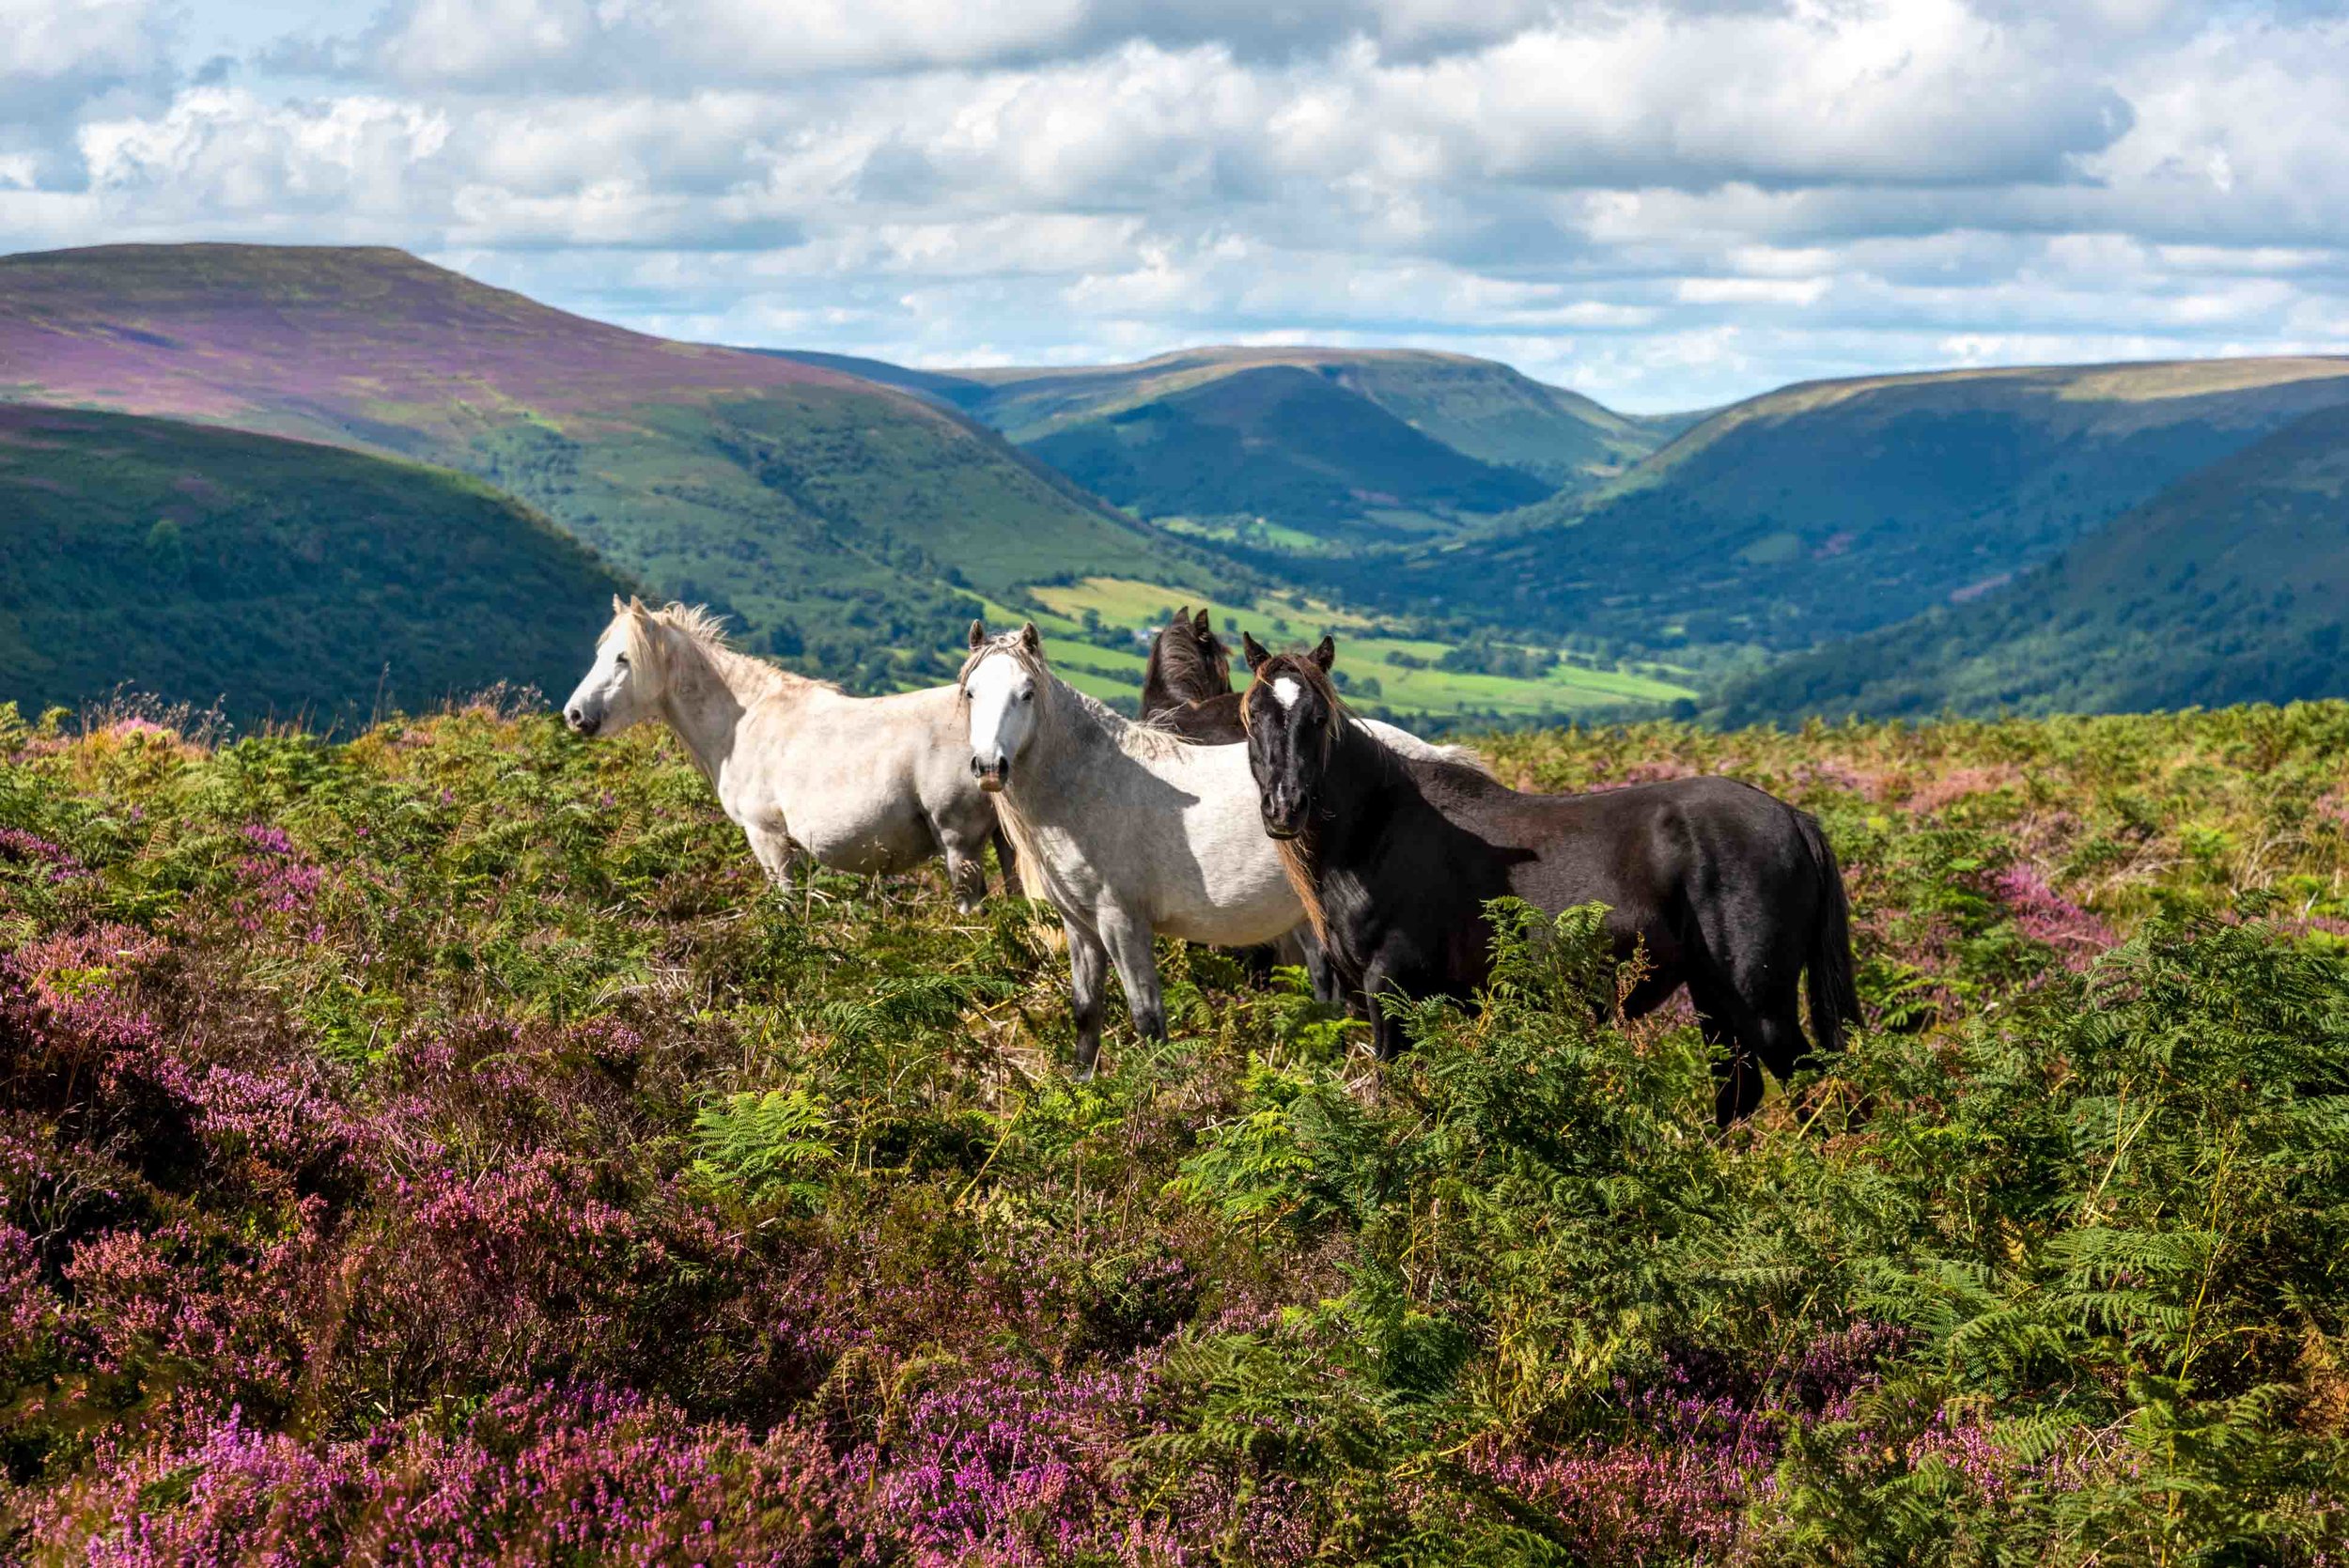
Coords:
1185,667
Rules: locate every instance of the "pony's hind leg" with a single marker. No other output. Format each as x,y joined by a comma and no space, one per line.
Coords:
1754,1037
1129,941
1007,860
965,848
967,876
1736,1078
1088,990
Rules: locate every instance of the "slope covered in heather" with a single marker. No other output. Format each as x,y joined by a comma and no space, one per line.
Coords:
2228,587
835,517
278,577
440,1148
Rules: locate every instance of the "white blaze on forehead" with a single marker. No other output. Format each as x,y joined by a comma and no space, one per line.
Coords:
1285,690
994,672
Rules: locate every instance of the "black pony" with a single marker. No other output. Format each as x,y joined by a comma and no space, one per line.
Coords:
1186,685
1722,888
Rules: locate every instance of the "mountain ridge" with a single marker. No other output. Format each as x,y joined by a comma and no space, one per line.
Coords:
837,520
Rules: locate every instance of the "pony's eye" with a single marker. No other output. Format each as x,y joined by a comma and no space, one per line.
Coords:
1027,696
621,661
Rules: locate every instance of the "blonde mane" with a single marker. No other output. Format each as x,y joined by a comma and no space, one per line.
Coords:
707,631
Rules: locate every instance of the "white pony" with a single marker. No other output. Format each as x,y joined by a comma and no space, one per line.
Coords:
1129,830
863,785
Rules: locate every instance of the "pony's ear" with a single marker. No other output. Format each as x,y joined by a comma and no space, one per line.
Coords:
635,605
618,607
978,633
1199,623
1251,651
1326,655
1184,613
1030,638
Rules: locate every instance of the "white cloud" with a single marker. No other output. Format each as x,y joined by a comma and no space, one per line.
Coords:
221,154
1664,201
83,39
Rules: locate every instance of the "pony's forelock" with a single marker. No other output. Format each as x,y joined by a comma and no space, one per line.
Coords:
1302,669
1012,643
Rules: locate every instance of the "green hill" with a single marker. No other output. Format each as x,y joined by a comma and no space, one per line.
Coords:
1827,510
2227,587
1312,447
196,564
839,519
1280,445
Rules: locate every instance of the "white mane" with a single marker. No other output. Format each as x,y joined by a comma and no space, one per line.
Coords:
705,632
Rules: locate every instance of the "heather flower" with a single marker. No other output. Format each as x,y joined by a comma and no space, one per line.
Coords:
2046,916
24,848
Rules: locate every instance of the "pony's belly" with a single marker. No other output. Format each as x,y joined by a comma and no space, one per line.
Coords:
1268,913
865,846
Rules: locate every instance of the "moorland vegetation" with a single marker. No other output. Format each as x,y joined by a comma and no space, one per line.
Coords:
441,1146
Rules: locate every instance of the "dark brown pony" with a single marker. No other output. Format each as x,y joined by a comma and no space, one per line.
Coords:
1719,887
1186,685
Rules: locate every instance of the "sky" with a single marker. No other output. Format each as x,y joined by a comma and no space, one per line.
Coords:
1666,204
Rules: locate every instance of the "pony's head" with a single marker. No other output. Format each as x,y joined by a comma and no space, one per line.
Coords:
626,681
1292,715
1188,663
998,686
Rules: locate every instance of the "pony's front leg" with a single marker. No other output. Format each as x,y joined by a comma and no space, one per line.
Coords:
1327,988
1129,941
1385,1031
966,871
1088,988
776,855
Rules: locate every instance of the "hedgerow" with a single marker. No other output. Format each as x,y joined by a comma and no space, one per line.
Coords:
441,1146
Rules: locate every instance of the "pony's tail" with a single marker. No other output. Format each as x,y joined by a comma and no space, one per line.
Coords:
1834,991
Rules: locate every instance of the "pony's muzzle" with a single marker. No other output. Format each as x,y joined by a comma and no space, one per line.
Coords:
1282,813
582,721
991,775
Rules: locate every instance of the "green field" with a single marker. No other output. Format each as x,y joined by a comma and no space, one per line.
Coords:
1565,689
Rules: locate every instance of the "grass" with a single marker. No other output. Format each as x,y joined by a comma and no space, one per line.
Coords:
1281,619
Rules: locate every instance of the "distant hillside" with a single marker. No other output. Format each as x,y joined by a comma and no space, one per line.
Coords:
1341,445
2227,587
837,519
1827,510
196,563
1284,446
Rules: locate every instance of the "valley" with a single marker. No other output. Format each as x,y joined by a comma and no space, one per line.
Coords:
1492,550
